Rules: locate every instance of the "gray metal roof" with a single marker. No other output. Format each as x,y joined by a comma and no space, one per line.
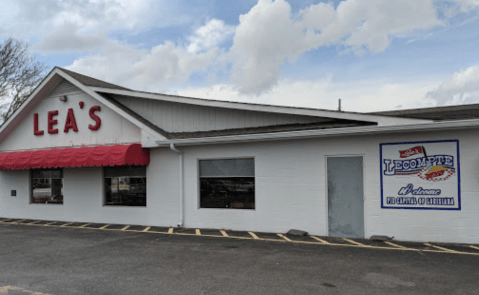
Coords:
446,113
92,82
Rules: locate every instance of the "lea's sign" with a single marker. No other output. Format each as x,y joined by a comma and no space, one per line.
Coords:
70,122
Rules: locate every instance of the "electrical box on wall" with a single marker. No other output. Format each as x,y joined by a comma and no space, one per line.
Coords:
14,193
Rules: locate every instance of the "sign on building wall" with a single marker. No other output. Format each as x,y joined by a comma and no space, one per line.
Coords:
420,175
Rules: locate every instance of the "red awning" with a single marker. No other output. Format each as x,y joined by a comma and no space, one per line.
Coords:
98,156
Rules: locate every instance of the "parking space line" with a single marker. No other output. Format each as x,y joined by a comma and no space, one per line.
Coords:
354,242
6,220
441,248
286,238
396,245
319,240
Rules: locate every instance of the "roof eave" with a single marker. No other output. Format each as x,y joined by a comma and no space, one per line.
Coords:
379,119
436,126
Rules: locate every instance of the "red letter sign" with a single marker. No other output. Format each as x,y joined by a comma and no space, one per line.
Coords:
35,125
52,122
97,119
70,122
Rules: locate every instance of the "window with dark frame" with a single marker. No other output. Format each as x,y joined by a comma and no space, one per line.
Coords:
125,186
227,183
47,186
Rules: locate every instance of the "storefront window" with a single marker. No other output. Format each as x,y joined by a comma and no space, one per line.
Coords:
47,186
125,186
227,184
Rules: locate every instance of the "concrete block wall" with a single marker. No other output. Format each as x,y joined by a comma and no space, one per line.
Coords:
291,190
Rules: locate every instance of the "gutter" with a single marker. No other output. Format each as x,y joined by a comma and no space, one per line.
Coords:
473,123
181,199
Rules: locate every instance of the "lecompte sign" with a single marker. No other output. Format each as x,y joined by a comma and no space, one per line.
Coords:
420,175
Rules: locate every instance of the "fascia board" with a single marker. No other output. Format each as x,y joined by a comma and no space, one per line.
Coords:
436,126
49,79
98,97
381,120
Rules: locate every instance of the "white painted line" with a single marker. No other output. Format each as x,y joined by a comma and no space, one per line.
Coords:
253,235
198,232
224,233
146,229
84,225
47,224
125,228
62,224
286,238
474,247
319,240
18,221
170,230
105,226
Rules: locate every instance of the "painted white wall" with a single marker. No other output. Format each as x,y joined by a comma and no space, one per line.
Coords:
290,190
114,128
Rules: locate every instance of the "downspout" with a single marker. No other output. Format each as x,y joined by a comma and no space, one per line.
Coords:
172,147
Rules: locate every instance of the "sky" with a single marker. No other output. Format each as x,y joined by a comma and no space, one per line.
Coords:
374,55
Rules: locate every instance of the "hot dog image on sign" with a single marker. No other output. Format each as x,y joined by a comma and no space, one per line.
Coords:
420,175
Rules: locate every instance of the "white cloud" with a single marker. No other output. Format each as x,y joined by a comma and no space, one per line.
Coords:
68,38
149,70
462,88
210,35
269,34
362,96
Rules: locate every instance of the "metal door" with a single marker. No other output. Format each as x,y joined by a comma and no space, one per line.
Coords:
345,197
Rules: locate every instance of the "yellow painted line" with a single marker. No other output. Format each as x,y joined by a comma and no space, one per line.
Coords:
253,235
84,225
441,248
396,245
18,221
146,229
198,232
62,224
33,222
125,228
170,230
320,240
6,220
47,224
224,233
474,247
280,235
355,243
105,226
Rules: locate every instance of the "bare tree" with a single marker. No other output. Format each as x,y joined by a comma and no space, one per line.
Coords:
19,75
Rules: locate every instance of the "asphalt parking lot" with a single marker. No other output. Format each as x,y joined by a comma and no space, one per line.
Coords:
54,258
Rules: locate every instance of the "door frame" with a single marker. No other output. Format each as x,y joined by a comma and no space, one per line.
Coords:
326,198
